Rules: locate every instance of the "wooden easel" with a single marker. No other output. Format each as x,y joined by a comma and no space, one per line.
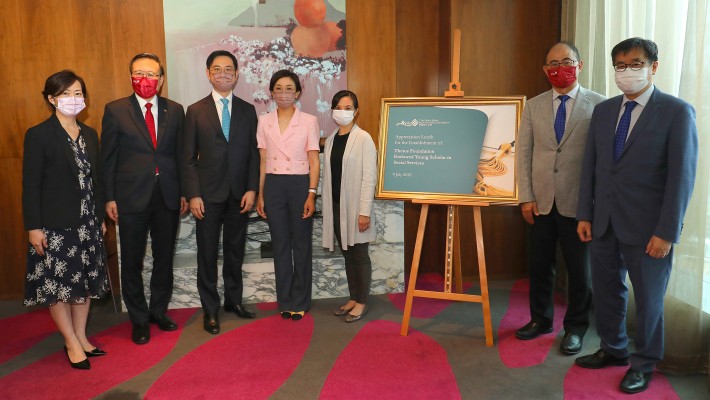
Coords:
453,241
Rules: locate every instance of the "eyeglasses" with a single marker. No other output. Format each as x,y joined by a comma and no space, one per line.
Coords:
220,71
567,62
635,66
143,74
288,90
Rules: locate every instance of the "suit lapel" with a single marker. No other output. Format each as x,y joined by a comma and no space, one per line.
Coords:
580,105
548,119
134,109
211,114
236,116
647,113
61,136
272,119
162,117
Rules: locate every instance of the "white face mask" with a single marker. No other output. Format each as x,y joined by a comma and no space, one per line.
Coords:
631,82
343,117
70,106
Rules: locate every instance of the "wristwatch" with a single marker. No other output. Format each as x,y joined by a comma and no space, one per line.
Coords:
312,190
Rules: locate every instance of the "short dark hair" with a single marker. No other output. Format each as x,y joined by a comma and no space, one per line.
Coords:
149,56
570,45
58,82
344,93
218,53
284,73
648,46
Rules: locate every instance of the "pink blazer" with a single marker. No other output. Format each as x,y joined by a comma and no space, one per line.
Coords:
287,153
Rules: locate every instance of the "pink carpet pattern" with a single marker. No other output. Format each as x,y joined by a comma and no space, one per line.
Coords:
249,362
516,353
51,377
603,384
395,367
424,307
19,333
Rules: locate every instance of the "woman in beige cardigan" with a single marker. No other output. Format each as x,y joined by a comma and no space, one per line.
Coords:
349,178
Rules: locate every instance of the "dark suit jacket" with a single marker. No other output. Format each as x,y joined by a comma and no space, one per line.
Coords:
130,159
51,197
213,167
646,192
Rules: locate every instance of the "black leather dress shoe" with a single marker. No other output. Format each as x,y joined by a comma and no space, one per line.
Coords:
210,323
141,333
96,352
164,322
240,310
571,344
600,359
532,330
635,381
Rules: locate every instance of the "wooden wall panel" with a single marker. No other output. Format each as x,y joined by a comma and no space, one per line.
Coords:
13,239
96,39
372,66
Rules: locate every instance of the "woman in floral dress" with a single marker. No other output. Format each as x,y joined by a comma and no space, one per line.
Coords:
61,188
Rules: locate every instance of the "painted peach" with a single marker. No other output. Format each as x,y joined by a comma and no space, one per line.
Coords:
309,13
311,42
335,33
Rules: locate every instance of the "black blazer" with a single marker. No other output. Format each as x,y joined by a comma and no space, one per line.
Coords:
130,159
51,197
214,168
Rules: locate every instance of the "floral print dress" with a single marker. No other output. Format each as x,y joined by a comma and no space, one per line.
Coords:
73,266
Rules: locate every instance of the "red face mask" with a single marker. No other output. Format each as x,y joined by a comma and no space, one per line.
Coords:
144,87
562,77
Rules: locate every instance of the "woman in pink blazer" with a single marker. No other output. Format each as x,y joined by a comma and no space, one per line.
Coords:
288,145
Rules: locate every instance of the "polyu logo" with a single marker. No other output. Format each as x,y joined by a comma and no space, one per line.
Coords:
413,122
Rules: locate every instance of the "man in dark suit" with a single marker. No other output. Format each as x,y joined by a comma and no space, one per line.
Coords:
550,148
141,136
221,178
638,175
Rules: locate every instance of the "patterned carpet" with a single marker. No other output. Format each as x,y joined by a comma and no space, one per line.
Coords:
320,357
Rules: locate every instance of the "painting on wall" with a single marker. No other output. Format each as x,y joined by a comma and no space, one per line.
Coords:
304,36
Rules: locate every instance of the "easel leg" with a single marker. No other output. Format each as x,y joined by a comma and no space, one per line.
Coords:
485,301
415,269
457,251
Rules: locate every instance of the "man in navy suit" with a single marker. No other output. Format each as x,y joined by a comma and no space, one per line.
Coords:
637,178
140,138
221,178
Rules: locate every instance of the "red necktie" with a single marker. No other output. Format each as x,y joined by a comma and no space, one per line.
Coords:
150,122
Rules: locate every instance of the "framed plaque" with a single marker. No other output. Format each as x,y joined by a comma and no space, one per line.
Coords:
453,149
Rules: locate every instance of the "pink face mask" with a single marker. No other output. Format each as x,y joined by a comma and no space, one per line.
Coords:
284,100
70,106
144,87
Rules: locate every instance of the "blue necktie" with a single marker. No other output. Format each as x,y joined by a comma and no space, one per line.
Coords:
225,118
622,130
561,118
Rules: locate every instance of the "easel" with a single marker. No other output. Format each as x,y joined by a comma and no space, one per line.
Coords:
453,241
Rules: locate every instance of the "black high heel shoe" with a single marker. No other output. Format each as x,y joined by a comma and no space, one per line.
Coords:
83,364
96,352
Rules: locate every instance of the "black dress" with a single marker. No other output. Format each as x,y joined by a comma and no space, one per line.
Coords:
73,266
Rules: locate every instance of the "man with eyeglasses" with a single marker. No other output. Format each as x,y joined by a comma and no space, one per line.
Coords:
221,178
638,175
550,147
140,140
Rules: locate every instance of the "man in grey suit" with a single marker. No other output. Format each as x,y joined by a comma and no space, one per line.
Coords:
550,148
637,178
221,164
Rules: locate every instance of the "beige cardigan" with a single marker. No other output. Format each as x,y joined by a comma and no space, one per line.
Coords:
357,190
